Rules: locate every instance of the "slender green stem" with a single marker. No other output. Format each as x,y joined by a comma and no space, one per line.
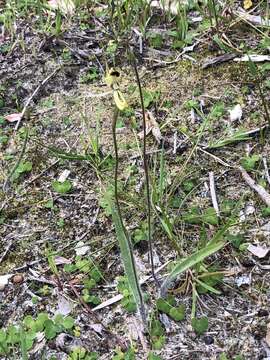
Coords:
266,112
146,172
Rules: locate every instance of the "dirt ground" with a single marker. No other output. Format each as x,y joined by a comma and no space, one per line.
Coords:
69,114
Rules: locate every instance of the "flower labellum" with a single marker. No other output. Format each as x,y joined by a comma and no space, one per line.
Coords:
112,77
119,100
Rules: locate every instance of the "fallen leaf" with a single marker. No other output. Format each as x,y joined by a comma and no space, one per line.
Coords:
4,280
67,7
13,117
64,306
254,19
98,328
236,113
243,280
258,251
247,4
151,126
81,248
64,175
60,260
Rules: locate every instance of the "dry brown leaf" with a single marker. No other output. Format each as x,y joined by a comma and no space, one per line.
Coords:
13,117
151,126
258,251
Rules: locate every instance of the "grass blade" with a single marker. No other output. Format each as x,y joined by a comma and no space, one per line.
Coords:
190,261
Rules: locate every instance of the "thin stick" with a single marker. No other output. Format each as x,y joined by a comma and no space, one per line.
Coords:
264,195
33,95
213,192
266,170
145,164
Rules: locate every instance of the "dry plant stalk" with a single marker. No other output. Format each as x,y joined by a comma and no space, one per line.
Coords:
146,172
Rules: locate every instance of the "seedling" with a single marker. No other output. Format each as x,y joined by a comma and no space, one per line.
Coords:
127,355
80,353
127,302
62,187
157,334
24,335
250,162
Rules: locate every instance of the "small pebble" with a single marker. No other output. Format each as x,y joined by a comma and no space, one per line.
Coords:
208,340
17,279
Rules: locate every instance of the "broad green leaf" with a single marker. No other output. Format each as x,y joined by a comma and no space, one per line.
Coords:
163,306
200,326
128,259
187,263
178,313
156,328
249,162
50,329
68,322
158,343
3,335
62,187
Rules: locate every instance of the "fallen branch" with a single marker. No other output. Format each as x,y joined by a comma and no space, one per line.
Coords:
264,195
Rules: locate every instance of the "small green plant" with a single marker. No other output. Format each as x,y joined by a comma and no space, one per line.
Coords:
266,211
156,332
140,233
155,40
250,162
62,187
127,355
153,356
80,353
150,97
195,216
200,325
90,76
24,335
23,168
167,306
127,302
217,111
